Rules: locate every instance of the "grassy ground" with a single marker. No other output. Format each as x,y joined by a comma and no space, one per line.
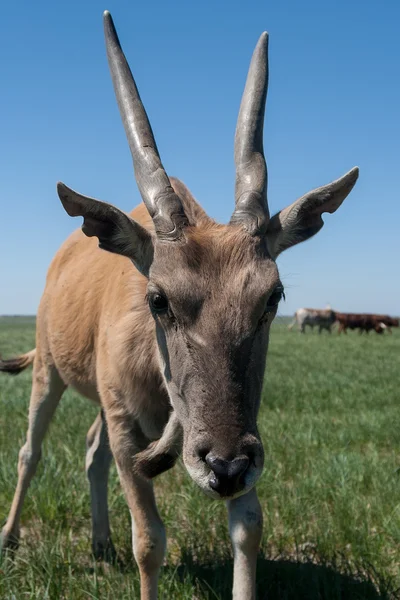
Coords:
330,491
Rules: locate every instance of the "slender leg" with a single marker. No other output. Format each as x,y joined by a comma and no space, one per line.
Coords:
98,461
47,389
148,532
245,528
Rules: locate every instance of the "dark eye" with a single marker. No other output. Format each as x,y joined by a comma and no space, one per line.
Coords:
158,303
275,298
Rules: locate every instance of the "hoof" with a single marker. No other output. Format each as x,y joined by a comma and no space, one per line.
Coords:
105,552
9,542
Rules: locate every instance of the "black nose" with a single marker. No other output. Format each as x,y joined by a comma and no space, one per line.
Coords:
227,475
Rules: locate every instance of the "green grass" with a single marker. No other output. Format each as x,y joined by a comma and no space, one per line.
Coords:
330,491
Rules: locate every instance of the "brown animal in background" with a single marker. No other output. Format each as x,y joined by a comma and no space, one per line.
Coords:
387,322
362,322
173,346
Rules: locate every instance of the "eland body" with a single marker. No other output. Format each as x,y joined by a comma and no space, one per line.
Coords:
168,332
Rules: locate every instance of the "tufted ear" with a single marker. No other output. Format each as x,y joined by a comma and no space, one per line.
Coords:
302,219
116,231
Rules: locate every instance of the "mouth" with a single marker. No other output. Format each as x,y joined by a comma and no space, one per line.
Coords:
224,488
220,488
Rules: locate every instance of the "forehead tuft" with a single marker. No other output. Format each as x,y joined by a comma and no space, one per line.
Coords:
213,251
221,246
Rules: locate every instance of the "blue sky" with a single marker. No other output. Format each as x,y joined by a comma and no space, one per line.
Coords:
333,103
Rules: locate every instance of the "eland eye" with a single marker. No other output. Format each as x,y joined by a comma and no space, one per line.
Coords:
275,298
158,303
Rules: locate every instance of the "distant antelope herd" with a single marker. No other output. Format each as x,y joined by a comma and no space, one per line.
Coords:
168,332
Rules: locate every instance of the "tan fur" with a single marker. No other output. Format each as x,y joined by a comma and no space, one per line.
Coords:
93,305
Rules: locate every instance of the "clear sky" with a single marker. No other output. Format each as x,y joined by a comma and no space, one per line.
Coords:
333,103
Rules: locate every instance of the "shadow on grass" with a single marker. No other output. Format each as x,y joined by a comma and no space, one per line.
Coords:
277,579
283,579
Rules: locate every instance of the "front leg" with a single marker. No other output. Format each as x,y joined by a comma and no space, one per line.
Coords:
148,532
245,528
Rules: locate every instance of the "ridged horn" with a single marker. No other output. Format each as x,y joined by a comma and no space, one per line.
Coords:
163,204
251,170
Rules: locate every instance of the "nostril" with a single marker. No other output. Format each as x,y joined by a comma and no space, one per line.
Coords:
202,453
238,466
252,457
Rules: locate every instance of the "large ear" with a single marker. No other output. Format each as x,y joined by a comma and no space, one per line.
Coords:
116,231
302,219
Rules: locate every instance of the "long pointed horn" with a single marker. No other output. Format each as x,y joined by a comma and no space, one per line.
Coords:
251,169
163,204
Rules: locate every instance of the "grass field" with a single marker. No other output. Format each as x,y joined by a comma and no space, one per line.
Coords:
330,422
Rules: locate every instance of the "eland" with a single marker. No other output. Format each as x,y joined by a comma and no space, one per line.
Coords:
168,332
